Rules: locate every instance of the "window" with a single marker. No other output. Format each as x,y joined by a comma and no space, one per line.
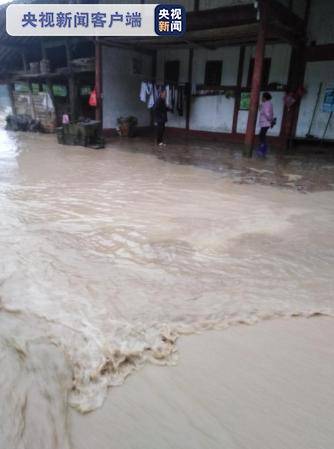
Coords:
59,90
213,73
266,72
172,71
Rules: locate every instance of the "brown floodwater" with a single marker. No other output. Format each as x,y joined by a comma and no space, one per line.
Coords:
108,256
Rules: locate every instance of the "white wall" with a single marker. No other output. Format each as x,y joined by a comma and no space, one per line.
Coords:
212,113
316,72
215,113
121,86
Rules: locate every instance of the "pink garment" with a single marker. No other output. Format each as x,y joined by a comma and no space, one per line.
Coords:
266,114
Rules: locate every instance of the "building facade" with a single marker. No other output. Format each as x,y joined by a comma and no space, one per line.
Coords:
216,113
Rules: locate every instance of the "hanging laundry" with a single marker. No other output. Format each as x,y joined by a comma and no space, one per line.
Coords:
155,92
150,93
168,96
146,94
142,93
173,98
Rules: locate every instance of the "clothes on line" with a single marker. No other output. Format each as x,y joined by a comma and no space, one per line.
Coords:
149,93
175,99
168,96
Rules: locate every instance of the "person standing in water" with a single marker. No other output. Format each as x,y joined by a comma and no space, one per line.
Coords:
266,121
160,114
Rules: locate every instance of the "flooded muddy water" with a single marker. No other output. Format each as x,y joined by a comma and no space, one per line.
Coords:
108,256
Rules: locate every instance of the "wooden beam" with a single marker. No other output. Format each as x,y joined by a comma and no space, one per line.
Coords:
280,13
295,79
192,44
154,75
188,93
276,30
98,81
71,83
256,80
24,61
67,45
238,90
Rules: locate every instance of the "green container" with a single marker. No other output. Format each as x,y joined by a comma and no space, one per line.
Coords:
87,134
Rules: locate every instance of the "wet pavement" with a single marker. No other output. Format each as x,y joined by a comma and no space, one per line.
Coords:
305,169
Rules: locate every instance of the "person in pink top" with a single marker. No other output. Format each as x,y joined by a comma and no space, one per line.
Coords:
266,121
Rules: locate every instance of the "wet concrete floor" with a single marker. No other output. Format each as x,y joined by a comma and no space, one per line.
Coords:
304,168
